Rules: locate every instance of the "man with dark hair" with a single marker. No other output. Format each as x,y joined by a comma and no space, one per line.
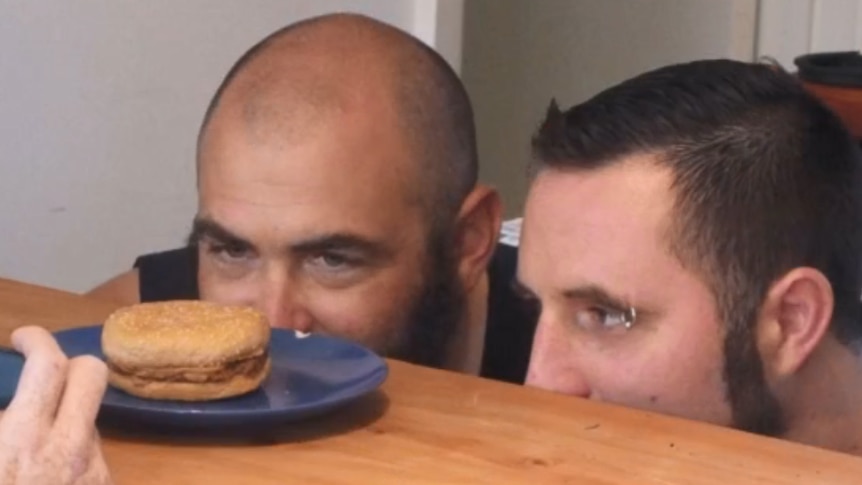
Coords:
694,236
337,182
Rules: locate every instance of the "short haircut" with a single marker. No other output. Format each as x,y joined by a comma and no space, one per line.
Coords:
765,177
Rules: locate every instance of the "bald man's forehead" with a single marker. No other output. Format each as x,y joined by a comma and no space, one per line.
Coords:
330,151
287,108
288,111
284,89
284,111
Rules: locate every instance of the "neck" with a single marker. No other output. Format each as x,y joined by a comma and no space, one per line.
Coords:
465,352
826,412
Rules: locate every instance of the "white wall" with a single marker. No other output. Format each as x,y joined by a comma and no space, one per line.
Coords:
100,103
519,54
439,23
789,28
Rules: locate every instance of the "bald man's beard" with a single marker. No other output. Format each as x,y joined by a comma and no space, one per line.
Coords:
435,311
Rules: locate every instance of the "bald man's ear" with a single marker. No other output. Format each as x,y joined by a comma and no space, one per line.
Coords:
477,232
793,321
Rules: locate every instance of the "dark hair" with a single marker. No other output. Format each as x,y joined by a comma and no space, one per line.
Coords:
765,177
437,116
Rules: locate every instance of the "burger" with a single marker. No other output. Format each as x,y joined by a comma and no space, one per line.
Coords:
186,350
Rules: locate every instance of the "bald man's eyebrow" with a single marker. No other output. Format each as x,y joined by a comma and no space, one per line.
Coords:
204,228
345,244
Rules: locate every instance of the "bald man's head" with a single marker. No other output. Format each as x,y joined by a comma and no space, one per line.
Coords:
309,73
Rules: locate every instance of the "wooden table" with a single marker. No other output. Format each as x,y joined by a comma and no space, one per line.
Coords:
433,427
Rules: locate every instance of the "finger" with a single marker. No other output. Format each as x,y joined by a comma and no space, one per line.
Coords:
97,472
41,384
76,417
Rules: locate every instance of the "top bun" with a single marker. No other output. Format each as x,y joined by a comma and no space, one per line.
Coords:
183,333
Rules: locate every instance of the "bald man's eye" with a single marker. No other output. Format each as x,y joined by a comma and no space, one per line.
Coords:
333,263
229,252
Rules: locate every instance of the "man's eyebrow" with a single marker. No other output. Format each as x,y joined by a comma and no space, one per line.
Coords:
593,293
598,295
204,227
338,241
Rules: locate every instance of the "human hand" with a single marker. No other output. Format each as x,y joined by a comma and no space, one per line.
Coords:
48,434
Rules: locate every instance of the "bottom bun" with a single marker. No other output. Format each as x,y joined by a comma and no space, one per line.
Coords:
189,391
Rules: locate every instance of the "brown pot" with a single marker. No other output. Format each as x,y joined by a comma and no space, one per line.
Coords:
845,102
835,78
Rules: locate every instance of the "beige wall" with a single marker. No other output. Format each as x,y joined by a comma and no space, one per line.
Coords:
518,54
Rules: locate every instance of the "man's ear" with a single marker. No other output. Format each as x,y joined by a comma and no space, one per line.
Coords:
793,320
477,232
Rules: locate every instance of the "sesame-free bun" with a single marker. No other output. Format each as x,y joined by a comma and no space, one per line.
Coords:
186,350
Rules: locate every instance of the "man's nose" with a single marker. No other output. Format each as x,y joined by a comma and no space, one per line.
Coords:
283,304
552,365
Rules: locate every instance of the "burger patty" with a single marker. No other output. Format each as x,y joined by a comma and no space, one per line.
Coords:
251,367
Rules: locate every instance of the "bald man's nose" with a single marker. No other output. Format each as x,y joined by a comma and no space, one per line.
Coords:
283,306
553,367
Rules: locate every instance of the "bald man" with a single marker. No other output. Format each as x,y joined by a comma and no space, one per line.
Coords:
337,183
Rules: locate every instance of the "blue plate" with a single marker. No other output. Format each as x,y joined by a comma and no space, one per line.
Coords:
10,368
310,376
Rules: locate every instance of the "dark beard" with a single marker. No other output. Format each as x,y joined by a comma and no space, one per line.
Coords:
433,317
755,409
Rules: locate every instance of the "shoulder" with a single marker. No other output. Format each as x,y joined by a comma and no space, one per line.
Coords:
122,289
158,276
168,275
176,259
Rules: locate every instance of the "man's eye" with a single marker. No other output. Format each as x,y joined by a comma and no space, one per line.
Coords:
598,318
332,261
229,251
